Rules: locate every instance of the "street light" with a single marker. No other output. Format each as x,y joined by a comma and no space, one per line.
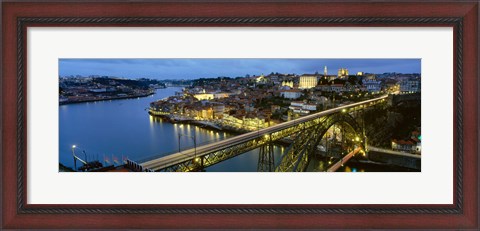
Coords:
258,127
179,135
73,154
195,141
194,138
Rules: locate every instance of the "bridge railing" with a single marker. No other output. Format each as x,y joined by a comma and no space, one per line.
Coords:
187,147
136,167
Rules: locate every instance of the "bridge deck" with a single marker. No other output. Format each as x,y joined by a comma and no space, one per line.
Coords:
346,158
375,149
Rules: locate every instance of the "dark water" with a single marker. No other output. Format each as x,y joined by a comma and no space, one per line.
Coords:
116,128
355,166
110,130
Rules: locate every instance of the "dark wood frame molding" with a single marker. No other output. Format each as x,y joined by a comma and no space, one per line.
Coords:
18,16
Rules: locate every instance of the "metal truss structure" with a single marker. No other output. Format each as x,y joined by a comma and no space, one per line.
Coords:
302,149
266,160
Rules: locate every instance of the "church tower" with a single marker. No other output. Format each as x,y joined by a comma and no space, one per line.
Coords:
325,70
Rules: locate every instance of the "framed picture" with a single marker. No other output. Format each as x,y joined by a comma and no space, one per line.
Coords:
283,114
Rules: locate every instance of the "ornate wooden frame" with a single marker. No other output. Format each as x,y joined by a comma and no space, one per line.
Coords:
17,16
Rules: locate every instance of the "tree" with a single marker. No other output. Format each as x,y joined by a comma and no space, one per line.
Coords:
352,79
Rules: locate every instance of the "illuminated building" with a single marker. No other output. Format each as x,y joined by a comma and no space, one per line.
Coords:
218,110
207,113
204,96
308,81
287,83
250,124
261,79
342,73
221,95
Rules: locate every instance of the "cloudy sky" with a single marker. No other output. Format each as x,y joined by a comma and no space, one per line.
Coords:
201,68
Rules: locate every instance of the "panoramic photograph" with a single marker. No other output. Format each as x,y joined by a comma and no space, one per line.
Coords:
239,115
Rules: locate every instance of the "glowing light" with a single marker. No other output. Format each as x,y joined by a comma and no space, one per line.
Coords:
74,146
344,110
357,138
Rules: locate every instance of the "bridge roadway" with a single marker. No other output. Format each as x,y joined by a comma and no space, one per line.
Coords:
343,160
195,153
402,159
391,152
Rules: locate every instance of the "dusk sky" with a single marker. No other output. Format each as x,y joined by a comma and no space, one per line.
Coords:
208,68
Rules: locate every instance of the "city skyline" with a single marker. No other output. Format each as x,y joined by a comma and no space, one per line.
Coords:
120,123
211,68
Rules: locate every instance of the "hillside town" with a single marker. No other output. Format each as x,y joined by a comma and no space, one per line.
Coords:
77,89
249,103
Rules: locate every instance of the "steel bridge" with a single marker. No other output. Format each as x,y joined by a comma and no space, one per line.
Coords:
307,130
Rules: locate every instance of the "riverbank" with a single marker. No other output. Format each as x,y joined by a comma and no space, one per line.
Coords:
110,168
200,123
106,99
210,125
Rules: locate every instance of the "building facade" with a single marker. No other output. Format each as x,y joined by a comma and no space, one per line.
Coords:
372,85
410,86
291,94
342,73
307,81
204,96
287,83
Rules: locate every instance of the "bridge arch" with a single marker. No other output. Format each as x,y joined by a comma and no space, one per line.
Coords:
300,151
344,119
